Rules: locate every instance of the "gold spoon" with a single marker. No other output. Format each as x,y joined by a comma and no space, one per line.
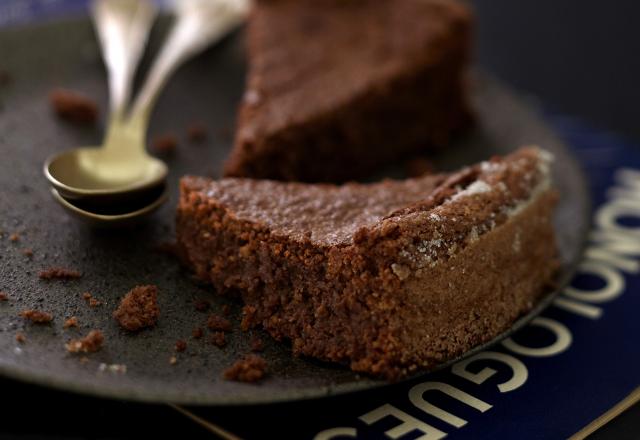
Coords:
121,166
125,217
122,171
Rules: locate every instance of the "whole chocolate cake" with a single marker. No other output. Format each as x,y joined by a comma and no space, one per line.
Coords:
338,88
387,277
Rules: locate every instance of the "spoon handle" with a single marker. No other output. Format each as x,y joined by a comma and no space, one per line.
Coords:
123,28
199,23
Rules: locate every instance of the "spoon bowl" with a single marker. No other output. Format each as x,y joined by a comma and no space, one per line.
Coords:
115,169
125,215
99,173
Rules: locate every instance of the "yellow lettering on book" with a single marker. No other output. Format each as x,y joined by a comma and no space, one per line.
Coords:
562,342
607,216
416,395
519,370
613,287
329,434
616,242
615,248
630,180
573,306
409,423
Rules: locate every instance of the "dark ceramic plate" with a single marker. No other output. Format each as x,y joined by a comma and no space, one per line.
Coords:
112,262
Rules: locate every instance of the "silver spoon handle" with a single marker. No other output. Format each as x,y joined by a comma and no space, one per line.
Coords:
199,23
123,28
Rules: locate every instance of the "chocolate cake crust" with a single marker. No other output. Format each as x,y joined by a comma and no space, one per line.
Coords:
326,98
389,277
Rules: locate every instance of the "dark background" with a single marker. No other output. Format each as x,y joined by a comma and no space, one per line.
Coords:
580,58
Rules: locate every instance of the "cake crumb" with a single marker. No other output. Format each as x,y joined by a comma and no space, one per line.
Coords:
14,237
257,344
59,273
197,333
218,339
181,345
91,300
401,271
196,132
247,313
3,296
249,369
37,316
28,252
226,310
217,322
84,360
173,360
139,308
202,305
89,344
70,322
165,144
73,107
21,338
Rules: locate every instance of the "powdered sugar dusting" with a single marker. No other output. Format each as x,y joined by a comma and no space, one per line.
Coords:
545,161
428,251
491,167
517,243
401,271
473,235
477,187
539,189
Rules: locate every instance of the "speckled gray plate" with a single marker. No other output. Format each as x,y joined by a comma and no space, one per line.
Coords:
208,89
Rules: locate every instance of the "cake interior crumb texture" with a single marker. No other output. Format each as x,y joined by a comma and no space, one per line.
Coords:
388,277
91,343
138,309
332,84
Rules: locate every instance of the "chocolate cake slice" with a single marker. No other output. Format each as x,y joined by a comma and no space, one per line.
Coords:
336,88
388,277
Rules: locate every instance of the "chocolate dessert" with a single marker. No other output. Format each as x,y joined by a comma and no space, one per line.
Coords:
337,88
250,368
70,322
89,344
59,273
165,143
73,107
217,322
37,316
197,333
218,339
138,309
389,277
